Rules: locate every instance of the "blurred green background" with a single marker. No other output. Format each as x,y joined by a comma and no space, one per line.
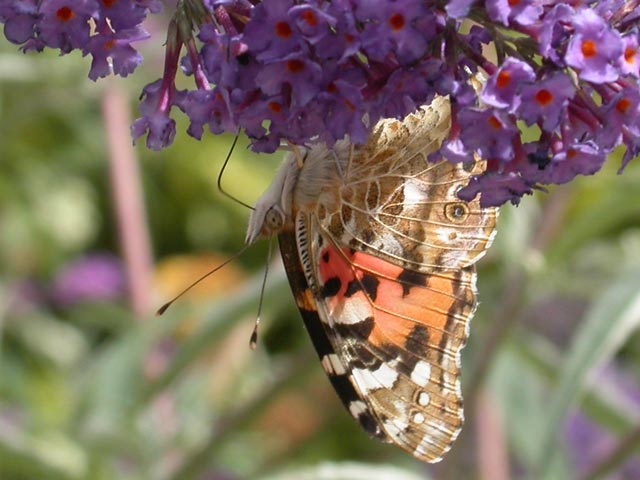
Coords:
93,387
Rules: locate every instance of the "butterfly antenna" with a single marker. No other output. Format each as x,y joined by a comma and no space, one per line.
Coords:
224,165
164,307
254,335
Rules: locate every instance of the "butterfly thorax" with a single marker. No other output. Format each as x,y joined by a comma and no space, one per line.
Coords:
320,185
315,188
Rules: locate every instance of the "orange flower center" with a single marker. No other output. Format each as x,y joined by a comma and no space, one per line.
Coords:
544,97
623,105
283,30
503,80
275,107
396,21
630,55
310,18
65,14
589,49
495,123
295,66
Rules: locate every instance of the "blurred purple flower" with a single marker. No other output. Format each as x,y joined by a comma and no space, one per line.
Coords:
114,51
525,12
589,443
317,71
502,90
156,123
545,101
94,278
65,25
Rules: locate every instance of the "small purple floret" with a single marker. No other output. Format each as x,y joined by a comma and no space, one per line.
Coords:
300,72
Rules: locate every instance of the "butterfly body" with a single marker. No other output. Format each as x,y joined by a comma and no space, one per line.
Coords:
380,256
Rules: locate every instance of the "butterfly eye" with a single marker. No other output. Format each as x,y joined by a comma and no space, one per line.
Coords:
468,166
456,212
274,220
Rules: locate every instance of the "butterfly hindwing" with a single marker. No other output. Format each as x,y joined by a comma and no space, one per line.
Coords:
332,363
397,336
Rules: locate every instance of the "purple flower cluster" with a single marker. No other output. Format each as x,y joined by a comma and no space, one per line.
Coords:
574,79
302,71
103,29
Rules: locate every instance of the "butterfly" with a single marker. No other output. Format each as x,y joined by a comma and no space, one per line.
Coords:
380,253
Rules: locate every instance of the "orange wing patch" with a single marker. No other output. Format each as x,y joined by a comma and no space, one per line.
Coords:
405,302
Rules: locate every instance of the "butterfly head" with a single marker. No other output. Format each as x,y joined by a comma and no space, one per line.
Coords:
272,212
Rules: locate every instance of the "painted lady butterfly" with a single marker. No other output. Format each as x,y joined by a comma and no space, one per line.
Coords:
380,256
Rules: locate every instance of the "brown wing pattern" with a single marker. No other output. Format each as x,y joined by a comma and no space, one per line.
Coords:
396,205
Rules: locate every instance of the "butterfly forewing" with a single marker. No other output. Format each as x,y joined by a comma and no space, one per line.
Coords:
396,204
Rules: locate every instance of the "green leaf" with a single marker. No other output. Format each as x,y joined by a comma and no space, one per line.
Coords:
609,322
112,383
49,455
520,388
46,337
604,205
600,404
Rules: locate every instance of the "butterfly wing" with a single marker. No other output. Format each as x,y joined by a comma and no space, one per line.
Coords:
333,361
381,264
397,205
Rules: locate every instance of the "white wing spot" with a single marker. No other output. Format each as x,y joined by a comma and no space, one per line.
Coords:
424,399
383,377
421,373
389,242
413,194
357,407
352,312
395,428
418,418
332,364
